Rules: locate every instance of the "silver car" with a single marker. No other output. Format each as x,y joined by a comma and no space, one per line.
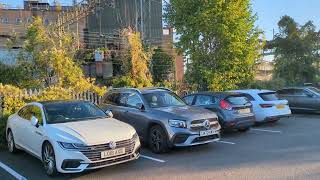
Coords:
161,118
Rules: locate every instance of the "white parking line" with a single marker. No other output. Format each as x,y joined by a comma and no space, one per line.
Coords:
226,142
12,172
266,130
153,159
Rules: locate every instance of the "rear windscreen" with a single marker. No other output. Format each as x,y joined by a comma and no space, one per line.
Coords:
237,100
271,96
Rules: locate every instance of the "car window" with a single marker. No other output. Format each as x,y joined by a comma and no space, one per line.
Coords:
270,96
249,97
112,98
132,100
203,100
314,89
36,112
284,92
72,111
189,99
237,100
163,99
26,113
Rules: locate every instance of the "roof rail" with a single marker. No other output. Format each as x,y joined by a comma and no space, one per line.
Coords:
125,88
163,88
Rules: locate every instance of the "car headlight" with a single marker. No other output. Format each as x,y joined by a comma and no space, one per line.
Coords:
71,146
177,123
135,136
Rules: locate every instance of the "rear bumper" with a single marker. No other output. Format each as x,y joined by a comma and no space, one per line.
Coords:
240,123
276,118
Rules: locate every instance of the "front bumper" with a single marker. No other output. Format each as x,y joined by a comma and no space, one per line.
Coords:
91,160
186,137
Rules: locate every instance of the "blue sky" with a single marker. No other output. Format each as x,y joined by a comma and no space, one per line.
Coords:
268,11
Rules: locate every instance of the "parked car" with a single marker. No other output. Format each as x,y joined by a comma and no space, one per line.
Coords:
233,109
71,136
302,98
267,107
161,118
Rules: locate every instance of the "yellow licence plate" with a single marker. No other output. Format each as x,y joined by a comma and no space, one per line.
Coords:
280,106
114,152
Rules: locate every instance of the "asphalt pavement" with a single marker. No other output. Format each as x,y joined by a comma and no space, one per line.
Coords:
288,149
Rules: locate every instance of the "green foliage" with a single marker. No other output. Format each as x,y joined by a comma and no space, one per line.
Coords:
49,55
296,52
274,84
220,39
12,75
134,63
162,66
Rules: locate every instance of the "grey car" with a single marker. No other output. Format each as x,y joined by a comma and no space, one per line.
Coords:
301,98
233,109
161,118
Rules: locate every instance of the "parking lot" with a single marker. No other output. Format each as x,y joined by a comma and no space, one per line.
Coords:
288,149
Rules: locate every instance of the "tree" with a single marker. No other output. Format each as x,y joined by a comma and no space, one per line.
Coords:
134,62
297,51
220,39
48,56
162,66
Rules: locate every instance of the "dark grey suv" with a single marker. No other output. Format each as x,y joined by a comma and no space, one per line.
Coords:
161,118
233,109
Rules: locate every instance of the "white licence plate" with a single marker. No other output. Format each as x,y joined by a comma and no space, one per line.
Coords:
114,152
244,111
207,133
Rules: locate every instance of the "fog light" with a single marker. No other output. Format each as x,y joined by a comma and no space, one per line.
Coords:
66,164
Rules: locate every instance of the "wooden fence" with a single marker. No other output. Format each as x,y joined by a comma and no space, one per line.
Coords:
86,96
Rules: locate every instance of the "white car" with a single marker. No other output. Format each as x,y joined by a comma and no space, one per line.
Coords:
71,136
267,107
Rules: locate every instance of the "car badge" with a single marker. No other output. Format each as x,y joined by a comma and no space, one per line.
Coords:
112,145
206,124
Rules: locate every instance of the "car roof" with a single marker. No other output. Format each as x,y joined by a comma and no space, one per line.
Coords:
253,91
59,101
142,90
217,94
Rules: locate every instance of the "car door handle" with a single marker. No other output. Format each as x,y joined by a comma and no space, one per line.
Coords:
39,133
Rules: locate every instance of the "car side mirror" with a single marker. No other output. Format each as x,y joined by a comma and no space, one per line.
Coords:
140,106
34,121
109,113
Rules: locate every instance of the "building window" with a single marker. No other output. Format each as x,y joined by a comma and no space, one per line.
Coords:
29,20
4,20
18,20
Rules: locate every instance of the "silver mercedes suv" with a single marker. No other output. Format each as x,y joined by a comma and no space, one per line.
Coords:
161,118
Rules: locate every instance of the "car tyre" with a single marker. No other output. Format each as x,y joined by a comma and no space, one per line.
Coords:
49,160
11,143
244,129
158,140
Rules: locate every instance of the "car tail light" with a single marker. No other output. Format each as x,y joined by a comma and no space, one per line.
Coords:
225,105
266,105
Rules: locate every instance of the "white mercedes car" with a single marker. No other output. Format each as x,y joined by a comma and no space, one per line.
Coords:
71,136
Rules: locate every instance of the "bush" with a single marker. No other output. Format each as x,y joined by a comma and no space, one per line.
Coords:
274,84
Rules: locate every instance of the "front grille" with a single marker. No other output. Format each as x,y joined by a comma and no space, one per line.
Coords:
94,152
197,125
111,161
205,138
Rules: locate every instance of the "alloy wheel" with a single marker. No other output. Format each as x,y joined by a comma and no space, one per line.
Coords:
156,138
10,142
49,159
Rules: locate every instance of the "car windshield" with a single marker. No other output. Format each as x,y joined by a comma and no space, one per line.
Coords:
62,112
163,99
270,96
314,89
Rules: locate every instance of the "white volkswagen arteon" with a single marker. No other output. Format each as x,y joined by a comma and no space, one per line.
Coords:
71,136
